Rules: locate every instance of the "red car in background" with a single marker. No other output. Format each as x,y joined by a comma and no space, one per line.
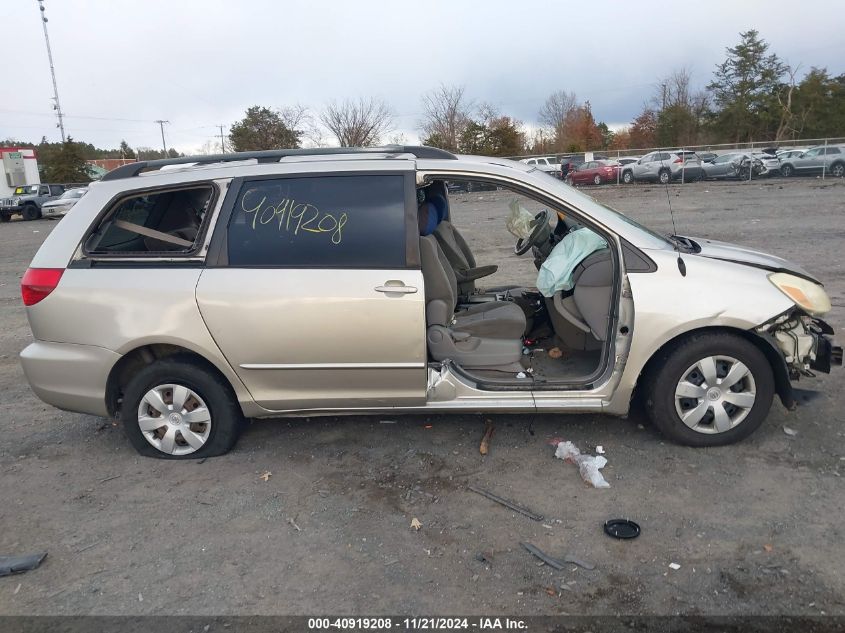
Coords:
594,172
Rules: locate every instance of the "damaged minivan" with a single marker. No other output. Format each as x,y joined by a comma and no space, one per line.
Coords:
184,296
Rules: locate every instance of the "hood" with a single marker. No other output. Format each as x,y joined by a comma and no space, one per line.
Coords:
741,255
58,203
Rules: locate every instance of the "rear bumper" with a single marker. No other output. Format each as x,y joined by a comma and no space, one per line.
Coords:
67,376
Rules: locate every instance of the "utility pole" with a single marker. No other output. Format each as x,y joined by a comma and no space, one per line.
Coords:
163,144
222,142
56,106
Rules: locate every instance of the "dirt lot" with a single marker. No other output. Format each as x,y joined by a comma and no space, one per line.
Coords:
756,528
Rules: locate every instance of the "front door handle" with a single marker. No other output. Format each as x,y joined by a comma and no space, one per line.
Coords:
398,288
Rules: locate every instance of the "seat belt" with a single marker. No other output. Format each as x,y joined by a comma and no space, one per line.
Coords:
156,235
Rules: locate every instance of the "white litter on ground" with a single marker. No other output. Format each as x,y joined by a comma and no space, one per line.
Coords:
588,465
674,566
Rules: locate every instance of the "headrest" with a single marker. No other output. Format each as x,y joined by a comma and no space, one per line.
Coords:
428,218
440,204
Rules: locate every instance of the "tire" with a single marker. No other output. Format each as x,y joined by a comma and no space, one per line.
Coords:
664,177
5,217
628,177
30,212
837,170
209,396
680,368
596,179
787,170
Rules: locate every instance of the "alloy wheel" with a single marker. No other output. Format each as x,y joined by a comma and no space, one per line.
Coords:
174,419
715,394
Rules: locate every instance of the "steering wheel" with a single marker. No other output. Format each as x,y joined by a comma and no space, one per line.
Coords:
539,233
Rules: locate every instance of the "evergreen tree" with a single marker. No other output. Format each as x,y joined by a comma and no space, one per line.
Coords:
745,88
262,128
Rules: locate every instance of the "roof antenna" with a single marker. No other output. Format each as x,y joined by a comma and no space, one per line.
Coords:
682,267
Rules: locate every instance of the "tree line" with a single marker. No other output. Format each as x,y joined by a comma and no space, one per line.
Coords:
753,95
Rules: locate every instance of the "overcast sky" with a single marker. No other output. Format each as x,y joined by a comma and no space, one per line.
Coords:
122,64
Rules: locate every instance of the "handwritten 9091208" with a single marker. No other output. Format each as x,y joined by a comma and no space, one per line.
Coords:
291,216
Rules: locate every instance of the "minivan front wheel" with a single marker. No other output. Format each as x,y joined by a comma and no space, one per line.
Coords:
710,389
176,408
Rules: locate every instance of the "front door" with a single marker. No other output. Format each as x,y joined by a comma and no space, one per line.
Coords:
314,291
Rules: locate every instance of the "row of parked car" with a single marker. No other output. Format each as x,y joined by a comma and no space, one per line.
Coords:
42,200
666,166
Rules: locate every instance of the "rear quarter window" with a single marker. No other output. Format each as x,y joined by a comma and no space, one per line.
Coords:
319,222
153,222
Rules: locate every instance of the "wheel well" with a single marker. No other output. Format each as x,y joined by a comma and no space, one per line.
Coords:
131,362
783,387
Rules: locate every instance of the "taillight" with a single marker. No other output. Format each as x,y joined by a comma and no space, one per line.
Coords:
679,160
37,283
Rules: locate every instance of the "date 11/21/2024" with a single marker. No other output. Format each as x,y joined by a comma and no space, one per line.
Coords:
417,623
294,217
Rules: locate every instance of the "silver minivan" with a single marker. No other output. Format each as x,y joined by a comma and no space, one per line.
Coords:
184,296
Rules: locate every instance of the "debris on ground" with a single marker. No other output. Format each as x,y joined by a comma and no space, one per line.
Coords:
19,564
790,432
293,523
588,465
522,374
551,592
674,566
507,504
600,449
265,475
428,426
551,562
488,435
577,561
621,528
555,352
387,421
768,547
415,524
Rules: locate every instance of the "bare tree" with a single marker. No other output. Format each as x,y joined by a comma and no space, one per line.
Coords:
557,114
359,123
446,114
557,107
784,97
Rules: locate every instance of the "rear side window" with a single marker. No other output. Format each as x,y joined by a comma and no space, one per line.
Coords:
153,222
319,222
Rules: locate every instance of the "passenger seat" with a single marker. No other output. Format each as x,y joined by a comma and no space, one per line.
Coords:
485,335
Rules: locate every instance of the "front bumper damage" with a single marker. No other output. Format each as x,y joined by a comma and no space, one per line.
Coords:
804,346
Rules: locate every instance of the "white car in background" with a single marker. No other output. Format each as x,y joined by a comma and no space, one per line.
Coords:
60,206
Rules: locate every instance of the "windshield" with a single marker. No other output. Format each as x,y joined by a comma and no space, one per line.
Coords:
26,189
572,195
73,193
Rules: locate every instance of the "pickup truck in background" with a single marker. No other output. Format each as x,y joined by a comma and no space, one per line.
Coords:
548,164
28,199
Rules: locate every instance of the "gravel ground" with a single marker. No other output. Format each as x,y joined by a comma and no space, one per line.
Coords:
756,528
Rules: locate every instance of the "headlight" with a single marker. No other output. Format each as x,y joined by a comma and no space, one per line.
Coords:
807,295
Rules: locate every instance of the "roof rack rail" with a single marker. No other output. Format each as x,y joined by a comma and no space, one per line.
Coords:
131,170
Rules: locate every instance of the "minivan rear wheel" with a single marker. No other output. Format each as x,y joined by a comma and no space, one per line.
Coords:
177,408
710,389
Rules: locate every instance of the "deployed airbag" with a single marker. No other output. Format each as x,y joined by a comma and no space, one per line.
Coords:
556,272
